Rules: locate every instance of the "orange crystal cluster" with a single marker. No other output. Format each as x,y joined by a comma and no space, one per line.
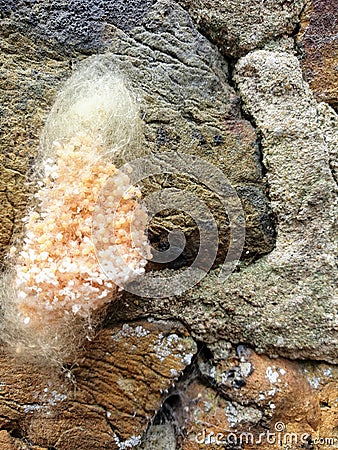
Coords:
78,246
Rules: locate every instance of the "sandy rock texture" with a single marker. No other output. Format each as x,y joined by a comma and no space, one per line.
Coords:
30,76
239,26
226,81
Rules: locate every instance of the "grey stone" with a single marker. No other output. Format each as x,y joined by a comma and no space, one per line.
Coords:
238,26
79,24
188,106
6,7
160,437
282,303
285,303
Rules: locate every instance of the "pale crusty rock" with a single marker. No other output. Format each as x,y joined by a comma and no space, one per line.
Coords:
303,190
117,388
238,26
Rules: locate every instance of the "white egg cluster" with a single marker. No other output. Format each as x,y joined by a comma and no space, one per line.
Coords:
61,270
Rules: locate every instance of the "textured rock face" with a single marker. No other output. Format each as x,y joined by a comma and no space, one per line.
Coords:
318,41
239,26
260,124
29,79
248,401
285,302
79,24
188,106
117,389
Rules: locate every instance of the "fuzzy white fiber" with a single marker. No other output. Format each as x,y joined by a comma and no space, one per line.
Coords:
55,286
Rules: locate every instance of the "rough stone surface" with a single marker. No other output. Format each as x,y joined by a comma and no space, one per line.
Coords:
286,302
160,437
189,107
323,378
186,102
238,26
319,45
303,188
118,386
76,25
30,75
244,396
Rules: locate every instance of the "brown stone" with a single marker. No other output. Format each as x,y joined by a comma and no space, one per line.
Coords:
6,441
31,73
104,402
324,380
318,40
295,402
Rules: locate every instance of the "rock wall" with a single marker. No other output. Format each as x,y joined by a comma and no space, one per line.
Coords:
250,87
